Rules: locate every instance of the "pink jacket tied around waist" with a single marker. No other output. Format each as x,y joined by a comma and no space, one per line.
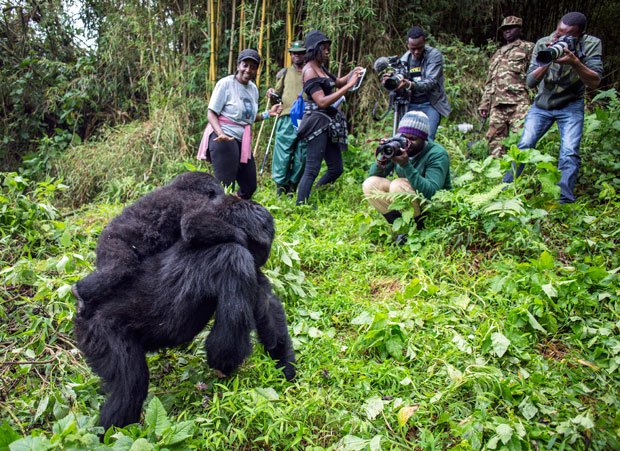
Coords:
246,140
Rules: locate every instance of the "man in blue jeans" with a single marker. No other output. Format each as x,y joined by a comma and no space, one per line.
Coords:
561,86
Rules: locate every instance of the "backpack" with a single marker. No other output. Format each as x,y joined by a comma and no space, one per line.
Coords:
297,110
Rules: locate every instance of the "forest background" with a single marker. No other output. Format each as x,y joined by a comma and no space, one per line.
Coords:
70,68
497,326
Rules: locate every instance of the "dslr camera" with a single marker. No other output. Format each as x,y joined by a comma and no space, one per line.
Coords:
275,98
393,146
556,50
395,67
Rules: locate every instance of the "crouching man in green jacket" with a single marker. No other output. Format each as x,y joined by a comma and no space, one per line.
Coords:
422,166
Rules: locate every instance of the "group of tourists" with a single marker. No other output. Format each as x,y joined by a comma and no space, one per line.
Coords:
299,151
423,165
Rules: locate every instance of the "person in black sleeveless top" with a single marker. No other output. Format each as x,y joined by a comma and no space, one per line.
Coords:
323,126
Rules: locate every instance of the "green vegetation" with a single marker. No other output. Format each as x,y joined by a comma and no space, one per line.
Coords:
495,327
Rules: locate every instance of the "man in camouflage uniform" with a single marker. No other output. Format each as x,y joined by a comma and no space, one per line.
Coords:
289,153
506,99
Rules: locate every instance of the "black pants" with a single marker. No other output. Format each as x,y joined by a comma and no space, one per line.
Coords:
318,149
228,169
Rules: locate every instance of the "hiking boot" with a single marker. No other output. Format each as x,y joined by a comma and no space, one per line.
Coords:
392,216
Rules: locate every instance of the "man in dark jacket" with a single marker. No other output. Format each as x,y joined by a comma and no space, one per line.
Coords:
424,81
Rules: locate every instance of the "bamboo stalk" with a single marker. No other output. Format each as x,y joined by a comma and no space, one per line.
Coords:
340,54
253,24
212,69
218,29
289,33
358,62
268,52
260,37
232,38
241,26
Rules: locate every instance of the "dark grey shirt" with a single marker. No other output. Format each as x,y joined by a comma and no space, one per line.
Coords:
561,84
428,77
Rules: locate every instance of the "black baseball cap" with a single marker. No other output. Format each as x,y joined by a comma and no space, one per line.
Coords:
248,54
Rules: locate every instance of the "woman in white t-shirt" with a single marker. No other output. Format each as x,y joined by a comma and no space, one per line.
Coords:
227,141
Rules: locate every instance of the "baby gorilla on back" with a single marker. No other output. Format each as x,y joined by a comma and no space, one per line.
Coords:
150,226
170,296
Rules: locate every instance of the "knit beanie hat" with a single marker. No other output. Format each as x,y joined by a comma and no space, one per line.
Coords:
414,123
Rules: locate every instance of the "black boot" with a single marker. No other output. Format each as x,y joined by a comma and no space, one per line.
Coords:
392,215
419,221
400,239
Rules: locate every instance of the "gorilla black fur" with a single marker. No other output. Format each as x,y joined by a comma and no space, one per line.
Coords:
149,226
173,294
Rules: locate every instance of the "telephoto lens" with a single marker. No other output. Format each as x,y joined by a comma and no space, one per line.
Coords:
551,53
556,50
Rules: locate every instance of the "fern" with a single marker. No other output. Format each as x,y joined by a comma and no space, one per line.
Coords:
509,207
399,197
479,199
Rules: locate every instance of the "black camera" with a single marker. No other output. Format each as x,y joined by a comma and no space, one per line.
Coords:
394,146
556,50
275,98
395,67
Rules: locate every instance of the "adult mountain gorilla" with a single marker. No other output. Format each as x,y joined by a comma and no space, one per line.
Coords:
172,295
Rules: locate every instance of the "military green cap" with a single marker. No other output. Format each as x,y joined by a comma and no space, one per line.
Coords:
297,47
511,21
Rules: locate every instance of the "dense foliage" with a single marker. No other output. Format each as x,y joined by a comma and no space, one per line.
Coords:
495,327
70,67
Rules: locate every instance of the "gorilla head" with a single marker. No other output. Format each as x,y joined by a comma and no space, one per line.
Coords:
255,220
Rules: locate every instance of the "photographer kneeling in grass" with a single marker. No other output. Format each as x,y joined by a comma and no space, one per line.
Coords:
422,166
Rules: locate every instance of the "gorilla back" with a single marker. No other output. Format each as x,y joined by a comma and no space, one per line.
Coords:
172,296
149,226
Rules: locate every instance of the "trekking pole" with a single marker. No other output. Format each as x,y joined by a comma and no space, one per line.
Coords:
262,166
260,131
